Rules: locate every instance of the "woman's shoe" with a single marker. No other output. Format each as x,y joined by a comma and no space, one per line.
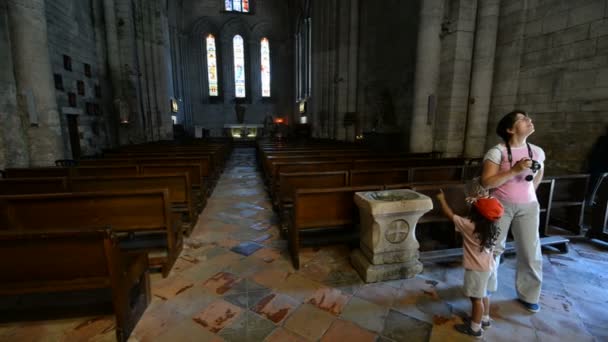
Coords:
532,307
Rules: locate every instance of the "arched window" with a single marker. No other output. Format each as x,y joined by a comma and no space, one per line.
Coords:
239,66
212,66
237,6
265,66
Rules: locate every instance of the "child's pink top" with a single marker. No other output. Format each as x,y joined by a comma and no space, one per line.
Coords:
473,259
516,189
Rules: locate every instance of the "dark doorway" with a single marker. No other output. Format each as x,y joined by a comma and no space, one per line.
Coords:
74,136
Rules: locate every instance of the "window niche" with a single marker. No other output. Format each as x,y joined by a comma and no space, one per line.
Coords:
240,85
239,6
72,99
87,70
58,82
80,88
67,62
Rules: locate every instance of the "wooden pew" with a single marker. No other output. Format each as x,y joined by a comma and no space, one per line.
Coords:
26,172
38,185
379,176
141,218
568,202
99,170
290,182
328,210
437,174
74,260
178,186
199,185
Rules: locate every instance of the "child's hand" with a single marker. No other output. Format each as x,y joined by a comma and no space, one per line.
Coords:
440,195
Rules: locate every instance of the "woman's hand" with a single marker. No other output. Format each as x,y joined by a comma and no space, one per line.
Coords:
522,165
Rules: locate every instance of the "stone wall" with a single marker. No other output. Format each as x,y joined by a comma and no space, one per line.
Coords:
387,60
270,19
73,32
552,61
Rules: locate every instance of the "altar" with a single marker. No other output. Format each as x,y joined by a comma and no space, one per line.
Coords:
243,131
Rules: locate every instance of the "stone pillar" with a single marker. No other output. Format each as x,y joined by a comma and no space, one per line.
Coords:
164,79
481,78
114,57
427,75
33,76
13,142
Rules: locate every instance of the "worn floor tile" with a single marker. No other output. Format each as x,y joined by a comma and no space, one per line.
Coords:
330,300
221,282
275,307
366,314
341,330
400,327
218,315
248,327
282,335
309,322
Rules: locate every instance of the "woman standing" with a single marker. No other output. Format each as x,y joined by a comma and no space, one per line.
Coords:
512,171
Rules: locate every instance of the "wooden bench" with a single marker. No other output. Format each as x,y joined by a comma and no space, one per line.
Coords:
73,260
178,186
290,182
199,185
329,210
37,185
142,219
379,176
99,170
437,174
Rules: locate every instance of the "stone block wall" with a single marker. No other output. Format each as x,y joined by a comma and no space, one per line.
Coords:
72,32
387,61
552,61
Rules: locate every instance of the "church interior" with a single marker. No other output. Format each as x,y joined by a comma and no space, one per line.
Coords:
268,170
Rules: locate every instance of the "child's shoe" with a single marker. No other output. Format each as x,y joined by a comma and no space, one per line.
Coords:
466,329
484,324
532,307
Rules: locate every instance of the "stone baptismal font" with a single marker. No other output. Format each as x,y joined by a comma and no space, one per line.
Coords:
388,247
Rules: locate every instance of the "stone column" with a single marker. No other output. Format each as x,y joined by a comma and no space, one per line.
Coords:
427,75
353,66
13,142
33,76
111,34
481,78
164,70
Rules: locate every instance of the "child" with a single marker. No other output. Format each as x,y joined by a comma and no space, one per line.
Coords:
479,233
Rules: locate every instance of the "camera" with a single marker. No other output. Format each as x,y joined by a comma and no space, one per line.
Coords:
535,165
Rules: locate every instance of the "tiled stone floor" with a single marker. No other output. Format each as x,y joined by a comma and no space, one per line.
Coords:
234,282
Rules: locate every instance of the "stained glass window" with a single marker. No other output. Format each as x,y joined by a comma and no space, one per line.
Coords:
265,66
239,66
212,66
237,6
